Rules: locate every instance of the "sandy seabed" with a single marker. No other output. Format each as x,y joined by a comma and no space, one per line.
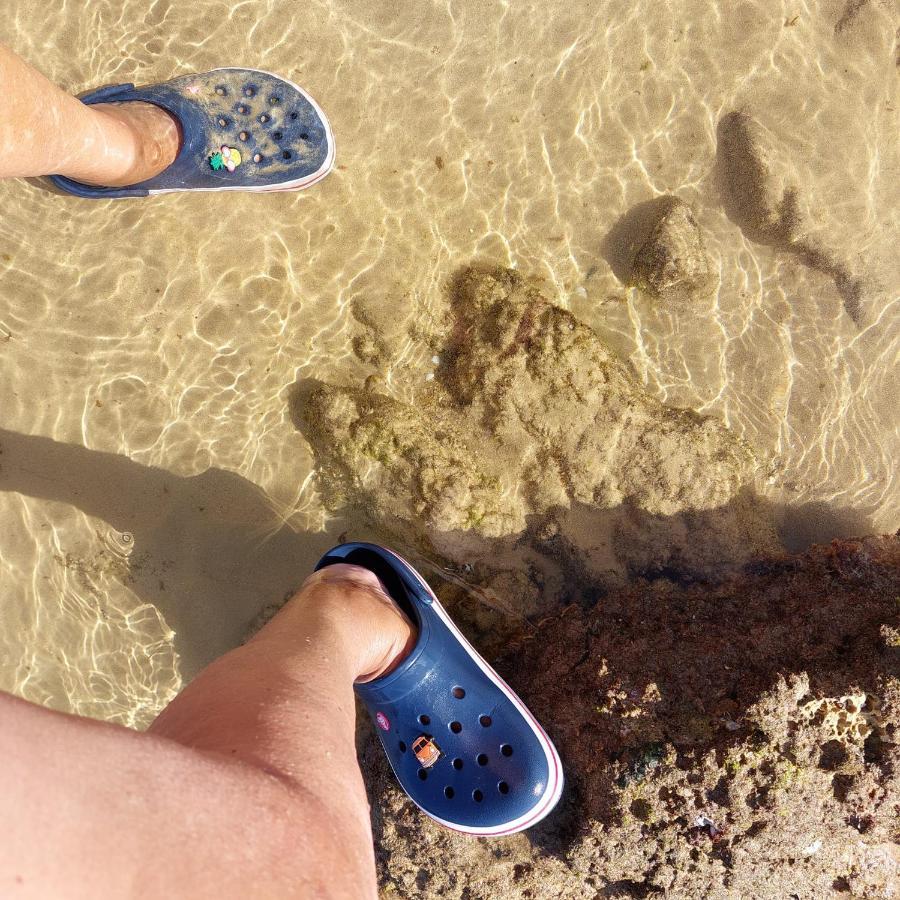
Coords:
596,321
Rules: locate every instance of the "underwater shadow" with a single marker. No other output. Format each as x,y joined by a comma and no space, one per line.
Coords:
209,550
802,525
742,175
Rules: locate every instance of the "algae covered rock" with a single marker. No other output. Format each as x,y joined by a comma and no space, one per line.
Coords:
535,434
672,263
416,471
544,383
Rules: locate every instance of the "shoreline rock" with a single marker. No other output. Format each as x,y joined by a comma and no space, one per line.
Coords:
736,739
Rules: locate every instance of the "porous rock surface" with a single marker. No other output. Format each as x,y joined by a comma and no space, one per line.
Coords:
720,741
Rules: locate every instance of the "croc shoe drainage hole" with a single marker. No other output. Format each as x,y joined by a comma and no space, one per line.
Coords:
220,90
277,135
449,792
457,764
222,122
424,720
477,796
304,136
457,692
402,747
286,154
482,759
485,721
506,750
503,787
249,91
264,118
294,115
274,100
455,727
423,774
245,135
257,157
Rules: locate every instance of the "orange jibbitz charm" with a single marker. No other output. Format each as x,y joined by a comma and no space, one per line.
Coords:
426,750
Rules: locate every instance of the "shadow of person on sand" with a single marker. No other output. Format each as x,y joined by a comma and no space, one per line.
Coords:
209,550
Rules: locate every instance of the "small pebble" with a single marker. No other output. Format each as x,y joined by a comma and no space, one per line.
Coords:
429,376
710,827
436,360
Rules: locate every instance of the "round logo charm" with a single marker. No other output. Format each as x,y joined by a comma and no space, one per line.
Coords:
384,723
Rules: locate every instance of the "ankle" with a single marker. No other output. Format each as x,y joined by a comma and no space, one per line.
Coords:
346,608
351,599
130,142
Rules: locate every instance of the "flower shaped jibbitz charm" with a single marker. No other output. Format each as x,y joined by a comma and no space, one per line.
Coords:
226,158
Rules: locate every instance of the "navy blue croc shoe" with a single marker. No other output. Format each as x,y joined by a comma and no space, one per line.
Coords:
242,130
463,746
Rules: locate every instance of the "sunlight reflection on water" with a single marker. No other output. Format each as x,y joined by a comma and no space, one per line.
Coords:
168,330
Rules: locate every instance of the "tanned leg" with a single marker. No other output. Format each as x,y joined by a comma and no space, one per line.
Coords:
246,785
45,131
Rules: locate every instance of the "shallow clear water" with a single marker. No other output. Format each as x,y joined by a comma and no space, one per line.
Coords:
163,334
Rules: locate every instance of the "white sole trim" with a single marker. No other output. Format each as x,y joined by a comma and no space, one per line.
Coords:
555,777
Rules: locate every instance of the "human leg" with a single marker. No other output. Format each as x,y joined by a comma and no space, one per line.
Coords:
45,131
246,785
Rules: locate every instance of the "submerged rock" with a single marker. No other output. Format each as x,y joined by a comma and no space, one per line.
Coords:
672,263
413,470
535,430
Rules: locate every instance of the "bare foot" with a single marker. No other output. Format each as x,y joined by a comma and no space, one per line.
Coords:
139,140
349,601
